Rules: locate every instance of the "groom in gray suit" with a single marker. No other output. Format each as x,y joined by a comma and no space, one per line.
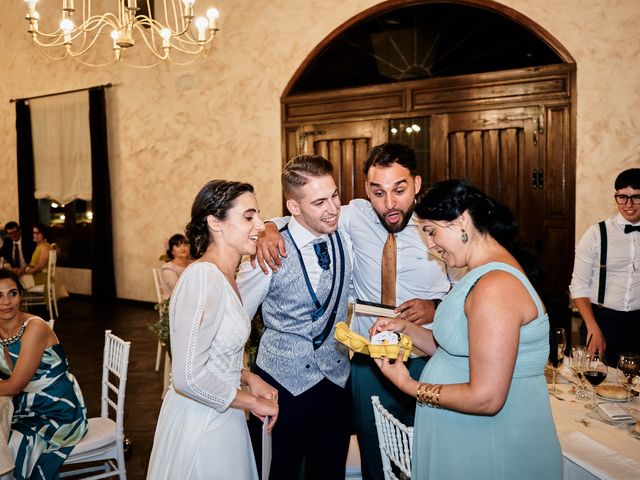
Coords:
301,303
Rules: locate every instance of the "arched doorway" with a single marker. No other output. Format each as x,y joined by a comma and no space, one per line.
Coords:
478,89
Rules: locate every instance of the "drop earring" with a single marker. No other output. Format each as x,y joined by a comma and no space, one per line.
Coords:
464,237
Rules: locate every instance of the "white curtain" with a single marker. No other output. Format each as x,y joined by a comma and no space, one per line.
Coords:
61,147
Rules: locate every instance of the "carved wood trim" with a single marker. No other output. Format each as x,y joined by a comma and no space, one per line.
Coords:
534,85
489,5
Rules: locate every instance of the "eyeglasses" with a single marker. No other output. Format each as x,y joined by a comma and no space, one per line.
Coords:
623,199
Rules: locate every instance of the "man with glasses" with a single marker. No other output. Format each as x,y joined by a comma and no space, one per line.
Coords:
16,249
606,275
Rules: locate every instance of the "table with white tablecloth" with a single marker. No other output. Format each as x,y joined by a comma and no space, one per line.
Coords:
591,448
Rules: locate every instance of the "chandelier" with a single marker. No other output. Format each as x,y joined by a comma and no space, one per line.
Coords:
98,39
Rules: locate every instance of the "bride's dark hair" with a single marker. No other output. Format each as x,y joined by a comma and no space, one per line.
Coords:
215,198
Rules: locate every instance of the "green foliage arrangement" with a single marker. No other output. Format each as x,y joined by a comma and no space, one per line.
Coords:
251,347
161,328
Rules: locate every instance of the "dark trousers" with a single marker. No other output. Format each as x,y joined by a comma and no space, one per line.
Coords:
314,426
621,330
367,380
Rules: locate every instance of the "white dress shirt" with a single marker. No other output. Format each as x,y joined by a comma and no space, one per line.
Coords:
622,291
418,274
253,284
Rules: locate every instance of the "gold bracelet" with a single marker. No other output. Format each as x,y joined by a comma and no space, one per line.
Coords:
421,392
429,394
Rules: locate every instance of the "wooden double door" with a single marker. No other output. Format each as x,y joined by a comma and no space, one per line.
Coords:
517,155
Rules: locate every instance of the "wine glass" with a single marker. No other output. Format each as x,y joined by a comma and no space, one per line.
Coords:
560,338
577,363
628,368
595,371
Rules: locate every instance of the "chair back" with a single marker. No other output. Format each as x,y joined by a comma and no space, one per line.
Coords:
157,281
51,269
395,440
115,364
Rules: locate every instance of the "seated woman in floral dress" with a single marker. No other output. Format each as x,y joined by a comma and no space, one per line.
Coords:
49,416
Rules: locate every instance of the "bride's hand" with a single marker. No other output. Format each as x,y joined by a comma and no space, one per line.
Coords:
383,324
260,388
264,407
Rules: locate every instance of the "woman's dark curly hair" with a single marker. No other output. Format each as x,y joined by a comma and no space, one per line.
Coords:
449,199
174,241
11,275
215,198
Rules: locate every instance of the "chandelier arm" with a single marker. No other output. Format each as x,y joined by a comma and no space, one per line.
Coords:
84,49
148,65
199,50
153,48
91,23
186,43
50,57
88,64
204,53
179,21
188,39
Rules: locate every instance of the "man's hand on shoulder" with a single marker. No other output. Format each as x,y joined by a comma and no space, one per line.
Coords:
270,249
417,310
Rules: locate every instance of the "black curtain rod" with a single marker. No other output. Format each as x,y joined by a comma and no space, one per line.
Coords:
106,85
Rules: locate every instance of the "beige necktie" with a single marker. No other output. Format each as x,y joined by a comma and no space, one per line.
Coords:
388,294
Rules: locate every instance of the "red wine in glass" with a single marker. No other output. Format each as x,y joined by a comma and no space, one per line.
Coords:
595,372
594,377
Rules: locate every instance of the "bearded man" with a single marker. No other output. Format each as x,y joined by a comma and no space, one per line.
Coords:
377,227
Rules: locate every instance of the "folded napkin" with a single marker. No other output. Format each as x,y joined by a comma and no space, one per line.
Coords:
596,458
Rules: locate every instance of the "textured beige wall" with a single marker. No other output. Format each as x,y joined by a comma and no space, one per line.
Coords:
167,140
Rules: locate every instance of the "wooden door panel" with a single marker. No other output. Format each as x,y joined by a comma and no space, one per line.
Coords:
493,150
345,145
556,165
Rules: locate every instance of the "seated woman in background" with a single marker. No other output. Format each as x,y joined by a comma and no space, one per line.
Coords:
179,259
40,258
49,416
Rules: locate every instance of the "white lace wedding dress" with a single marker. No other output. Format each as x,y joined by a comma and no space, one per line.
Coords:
198,435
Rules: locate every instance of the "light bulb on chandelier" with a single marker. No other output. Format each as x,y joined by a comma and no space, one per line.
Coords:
169,32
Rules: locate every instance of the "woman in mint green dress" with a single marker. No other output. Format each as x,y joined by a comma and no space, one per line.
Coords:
49,416
483,408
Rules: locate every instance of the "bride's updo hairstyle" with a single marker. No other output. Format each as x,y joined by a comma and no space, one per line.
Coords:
215,198
449,199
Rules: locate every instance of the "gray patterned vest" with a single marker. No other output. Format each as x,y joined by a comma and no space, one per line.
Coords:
287,350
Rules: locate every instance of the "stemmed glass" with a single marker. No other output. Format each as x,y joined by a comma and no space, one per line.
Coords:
628,368
595,371
556,360
577,362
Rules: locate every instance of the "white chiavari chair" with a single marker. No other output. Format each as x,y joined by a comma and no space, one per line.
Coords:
396,442
104,441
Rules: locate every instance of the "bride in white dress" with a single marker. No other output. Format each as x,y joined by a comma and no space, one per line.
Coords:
201,431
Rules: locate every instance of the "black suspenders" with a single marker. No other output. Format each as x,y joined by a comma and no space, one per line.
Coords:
603,263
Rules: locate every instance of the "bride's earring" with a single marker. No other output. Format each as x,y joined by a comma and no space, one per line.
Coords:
464,237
